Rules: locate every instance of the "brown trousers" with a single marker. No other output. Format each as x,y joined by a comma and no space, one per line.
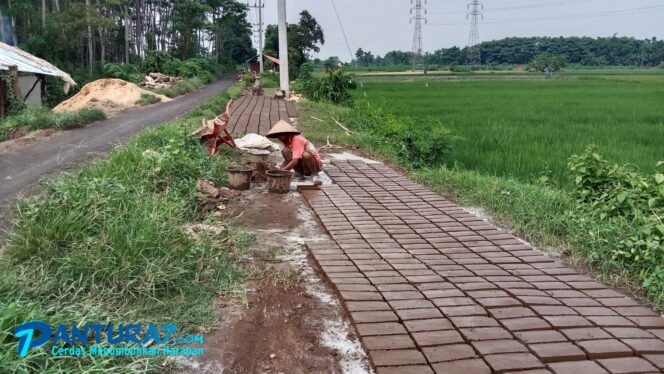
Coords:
308,165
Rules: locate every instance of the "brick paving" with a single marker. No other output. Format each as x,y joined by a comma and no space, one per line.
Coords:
257,114
432,288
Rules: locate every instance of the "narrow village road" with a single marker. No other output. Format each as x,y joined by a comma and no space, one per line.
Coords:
23,166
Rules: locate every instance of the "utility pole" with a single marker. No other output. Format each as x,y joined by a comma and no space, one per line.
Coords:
475,12
259,7
417,36
283,48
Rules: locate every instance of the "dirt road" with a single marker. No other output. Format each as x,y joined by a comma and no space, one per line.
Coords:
23,165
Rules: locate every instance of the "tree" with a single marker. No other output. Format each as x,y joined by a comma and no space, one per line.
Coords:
545,61
304,38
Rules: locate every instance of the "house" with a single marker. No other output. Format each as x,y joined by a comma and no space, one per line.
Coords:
26,75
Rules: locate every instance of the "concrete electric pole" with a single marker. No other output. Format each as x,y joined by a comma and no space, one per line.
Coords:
260,6
283,48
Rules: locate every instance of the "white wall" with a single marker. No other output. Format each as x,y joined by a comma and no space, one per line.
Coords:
26,82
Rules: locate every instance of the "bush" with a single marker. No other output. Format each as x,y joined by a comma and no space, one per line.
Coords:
414,143
661,65
155,61
334,87
460,69
546,60
147,99
127,72
41,118
620,212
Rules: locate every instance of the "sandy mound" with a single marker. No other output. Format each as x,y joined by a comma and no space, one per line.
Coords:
109,95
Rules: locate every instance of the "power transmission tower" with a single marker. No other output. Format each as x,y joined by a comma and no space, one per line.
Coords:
417,36
259,7
475,12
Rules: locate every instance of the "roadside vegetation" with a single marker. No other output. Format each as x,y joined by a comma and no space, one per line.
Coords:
523,152
106,244
31,119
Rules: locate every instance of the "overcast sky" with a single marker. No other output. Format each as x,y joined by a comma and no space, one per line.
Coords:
383,25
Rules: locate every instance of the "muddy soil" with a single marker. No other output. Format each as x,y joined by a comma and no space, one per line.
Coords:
290,322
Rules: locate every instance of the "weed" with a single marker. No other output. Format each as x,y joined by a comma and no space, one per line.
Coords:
147,99
41,118
105,245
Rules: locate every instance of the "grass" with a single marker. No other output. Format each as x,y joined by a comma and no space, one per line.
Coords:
32,119
104,245
147,99
523,129
186,86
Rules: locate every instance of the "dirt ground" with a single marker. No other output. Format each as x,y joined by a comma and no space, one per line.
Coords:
290,321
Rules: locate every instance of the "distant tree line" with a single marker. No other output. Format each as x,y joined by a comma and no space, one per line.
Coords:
90,33
611,51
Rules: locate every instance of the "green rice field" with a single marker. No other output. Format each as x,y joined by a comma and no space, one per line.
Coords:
529,128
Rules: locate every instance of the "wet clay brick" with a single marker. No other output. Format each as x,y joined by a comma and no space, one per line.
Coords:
373,343
645,345
360,306
498,302
474,321
411,369
605,348
411,304
485,333
556,352
567,321
466,310
397,357
577,367
628,332
448,352
487,347
383,328
429,338
471,366
512,361
648,322
540,336
374,316
626,365
525,324
514,312
611,321
408,314
586,333
428,325
657,360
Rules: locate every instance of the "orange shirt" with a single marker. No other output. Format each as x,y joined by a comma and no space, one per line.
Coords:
298,144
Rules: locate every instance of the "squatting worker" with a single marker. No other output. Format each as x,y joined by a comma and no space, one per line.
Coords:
299,154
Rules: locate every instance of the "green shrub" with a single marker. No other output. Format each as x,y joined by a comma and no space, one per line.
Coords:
155,61
334,87
147,99
42,118
620,215
414,143
661,65
460,68
127,72
547,60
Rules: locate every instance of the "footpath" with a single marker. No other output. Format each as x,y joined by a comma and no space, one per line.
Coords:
432,288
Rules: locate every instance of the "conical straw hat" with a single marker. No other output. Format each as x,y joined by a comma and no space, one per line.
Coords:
281,127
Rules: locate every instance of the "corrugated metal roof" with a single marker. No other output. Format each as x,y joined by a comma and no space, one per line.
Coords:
27,63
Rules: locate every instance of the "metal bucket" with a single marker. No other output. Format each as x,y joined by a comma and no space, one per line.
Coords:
239,177
278,181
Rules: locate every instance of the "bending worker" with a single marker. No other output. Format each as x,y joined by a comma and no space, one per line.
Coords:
299,154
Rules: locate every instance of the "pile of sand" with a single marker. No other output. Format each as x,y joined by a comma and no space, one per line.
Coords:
109,95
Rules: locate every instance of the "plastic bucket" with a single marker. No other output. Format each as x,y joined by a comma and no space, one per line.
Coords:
278,181
239,177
